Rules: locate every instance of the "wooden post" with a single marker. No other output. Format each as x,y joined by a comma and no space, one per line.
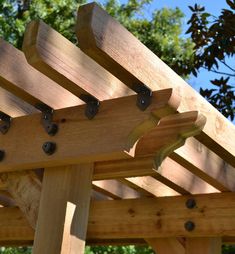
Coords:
203,245
166,245
64,208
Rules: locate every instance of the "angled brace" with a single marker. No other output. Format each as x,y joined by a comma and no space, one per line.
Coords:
170,134
5,122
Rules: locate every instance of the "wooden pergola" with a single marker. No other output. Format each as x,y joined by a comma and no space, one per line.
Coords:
111,123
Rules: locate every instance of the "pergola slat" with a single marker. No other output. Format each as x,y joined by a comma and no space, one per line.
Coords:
70,67
18,77
116,49
67,65
115,189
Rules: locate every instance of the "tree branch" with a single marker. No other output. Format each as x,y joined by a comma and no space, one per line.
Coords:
223,62
219,72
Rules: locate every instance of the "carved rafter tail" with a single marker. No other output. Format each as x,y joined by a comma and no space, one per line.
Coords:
168,135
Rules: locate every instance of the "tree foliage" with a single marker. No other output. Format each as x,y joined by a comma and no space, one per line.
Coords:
161,33
214,39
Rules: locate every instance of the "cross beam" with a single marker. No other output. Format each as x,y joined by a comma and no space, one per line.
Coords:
111,135
213,216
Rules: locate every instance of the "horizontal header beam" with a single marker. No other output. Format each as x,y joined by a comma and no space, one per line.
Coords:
110,135
213,216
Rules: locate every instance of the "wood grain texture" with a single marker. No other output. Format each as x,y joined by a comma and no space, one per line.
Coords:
142,218
114,189
82,140
21,79
25,189
171,173
111,45
14,226
203,245
182,179
59,59
205,164
166,245
149,186
124,168
163,217
6,199
64,209
14,106
174,130
63,61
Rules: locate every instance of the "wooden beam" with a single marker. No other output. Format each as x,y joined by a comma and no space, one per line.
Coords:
170,174
118,220
163,217
25,189
203,245
18,77
205,164
173,174
14,226
114,189
197,162
6,199
166,245
181,126
124,168
14,106
67,65
113,47
64,63
82,140
64,209
148,186
116,242
95,195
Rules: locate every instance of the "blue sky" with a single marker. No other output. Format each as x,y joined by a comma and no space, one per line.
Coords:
213,7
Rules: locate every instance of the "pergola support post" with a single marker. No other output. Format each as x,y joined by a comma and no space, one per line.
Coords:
169,245
64,208
203,245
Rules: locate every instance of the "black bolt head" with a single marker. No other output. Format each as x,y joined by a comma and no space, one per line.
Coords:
2,155
189,226
190,203
92,109
49,147
52,129
143,101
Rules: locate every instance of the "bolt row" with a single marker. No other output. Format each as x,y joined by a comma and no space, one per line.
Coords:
190,225
48,147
